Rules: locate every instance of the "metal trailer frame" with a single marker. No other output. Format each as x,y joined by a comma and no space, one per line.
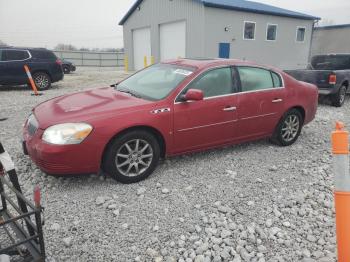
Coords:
24,228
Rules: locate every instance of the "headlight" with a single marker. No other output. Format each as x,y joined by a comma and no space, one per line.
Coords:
67,134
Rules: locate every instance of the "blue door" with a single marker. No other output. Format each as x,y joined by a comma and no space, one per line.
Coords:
224,50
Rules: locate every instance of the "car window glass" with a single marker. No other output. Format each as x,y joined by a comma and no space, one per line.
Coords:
155,82
216,82
42,54
277,82
253,78
0,55
14,55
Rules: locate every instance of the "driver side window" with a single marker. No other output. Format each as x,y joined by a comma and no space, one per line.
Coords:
216,82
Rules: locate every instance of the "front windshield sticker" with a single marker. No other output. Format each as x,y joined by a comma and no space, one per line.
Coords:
183,72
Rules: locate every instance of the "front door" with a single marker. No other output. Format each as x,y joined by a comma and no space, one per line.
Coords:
260,102
208,122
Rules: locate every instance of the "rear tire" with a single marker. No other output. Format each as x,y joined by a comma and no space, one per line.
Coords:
338,99
132,157
66,70
288,129
42,80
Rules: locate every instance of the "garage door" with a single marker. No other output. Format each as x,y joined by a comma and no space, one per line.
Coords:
141,46
173,40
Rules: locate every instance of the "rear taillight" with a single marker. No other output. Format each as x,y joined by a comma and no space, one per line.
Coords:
332,80
59,61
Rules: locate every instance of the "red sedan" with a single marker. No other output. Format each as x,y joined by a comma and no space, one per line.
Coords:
167,109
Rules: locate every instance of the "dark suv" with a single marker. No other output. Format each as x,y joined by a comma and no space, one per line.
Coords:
45,67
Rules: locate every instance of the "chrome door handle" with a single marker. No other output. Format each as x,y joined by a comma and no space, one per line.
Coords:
232,108
277,100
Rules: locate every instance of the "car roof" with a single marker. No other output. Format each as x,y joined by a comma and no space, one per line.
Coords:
203,63
24,48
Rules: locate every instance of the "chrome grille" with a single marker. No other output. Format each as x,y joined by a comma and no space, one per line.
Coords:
32,125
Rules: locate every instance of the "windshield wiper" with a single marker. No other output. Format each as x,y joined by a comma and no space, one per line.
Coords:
129,92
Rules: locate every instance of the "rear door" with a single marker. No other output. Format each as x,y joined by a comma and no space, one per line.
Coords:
260,101
209,122
14,61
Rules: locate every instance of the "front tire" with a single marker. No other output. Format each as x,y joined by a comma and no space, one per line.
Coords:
288,129
132,157
338,99
42,81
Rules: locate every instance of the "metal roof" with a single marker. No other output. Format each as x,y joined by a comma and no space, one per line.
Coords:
238,5
332,27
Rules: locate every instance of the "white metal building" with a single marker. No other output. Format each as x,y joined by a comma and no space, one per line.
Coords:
331,39
216,28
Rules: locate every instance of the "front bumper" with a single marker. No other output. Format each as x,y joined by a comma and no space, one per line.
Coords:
61,160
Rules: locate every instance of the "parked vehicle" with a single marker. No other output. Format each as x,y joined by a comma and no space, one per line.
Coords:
45,67
167,109
67,66
331,73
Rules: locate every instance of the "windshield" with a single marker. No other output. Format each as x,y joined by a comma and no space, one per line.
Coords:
155,82
331,62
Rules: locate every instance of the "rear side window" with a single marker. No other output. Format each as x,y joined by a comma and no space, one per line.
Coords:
14,55
0,55
254,79
277,82
43,54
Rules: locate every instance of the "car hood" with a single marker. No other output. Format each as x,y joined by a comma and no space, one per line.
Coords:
85,106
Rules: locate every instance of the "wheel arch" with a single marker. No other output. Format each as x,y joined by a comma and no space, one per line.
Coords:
301,110
345,83
42,71
297,107
155,132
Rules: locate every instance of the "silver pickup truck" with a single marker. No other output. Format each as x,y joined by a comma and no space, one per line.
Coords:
330,73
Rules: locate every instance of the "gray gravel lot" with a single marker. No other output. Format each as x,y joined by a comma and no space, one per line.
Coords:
250,202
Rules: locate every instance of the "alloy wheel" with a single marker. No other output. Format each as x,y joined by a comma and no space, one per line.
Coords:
41,81
134,157
290,128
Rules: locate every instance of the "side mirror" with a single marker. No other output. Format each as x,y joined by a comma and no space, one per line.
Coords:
116,84
193,95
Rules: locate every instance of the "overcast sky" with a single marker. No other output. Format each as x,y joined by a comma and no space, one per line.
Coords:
91,23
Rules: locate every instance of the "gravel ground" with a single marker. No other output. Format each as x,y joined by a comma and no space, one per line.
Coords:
251,202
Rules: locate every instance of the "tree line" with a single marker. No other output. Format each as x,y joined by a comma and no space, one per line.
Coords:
69,47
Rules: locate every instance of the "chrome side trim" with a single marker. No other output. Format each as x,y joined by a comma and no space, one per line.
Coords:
252,117
197,127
